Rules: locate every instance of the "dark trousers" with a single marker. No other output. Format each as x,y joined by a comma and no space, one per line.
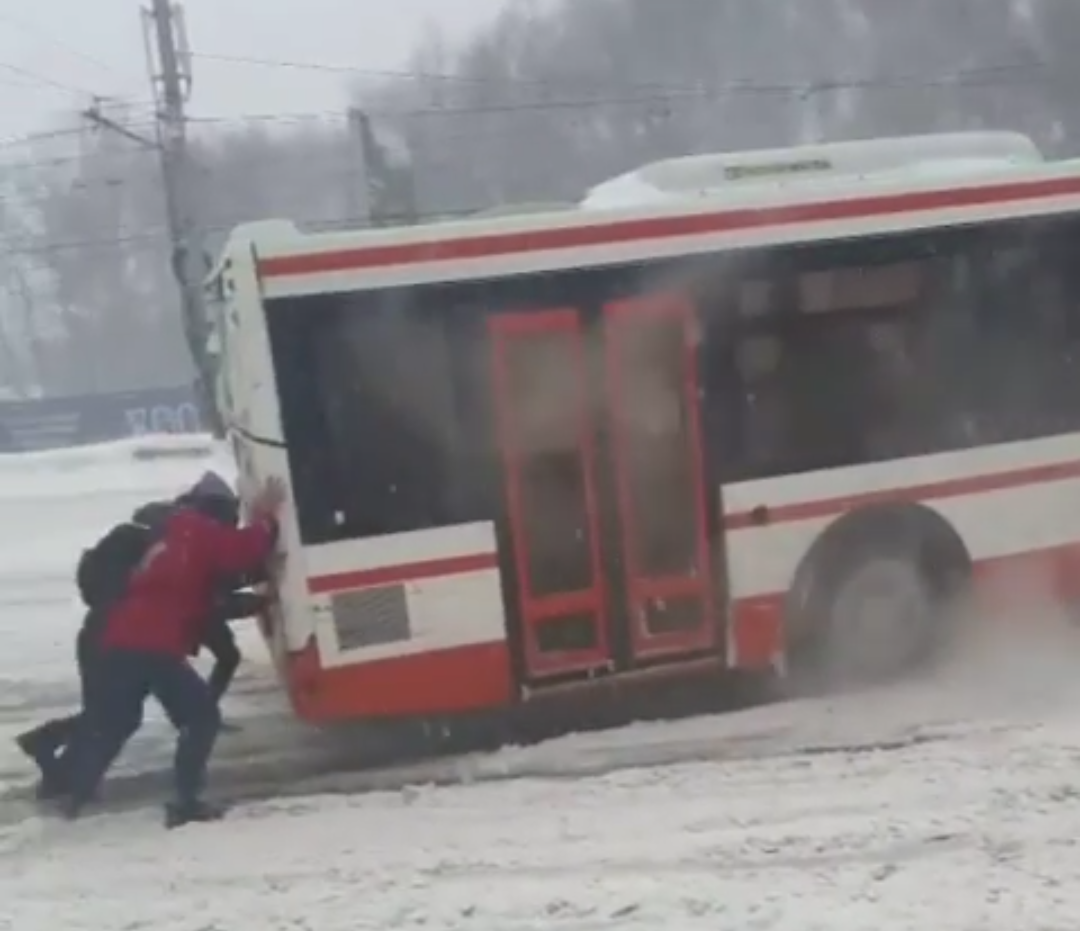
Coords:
127,678
52,738
49,739
220,641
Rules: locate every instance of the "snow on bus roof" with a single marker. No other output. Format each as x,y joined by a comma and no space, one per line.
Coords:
920,177
714,175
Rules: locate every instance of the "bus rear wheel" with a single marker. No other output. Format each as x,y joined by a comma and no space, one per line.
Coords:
873,599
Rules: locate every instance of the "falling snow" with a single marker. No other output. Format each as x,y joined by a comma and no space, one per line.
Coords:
948,804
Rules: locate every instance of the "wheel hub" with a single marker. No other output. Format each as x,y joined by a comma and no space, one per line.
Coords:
877,618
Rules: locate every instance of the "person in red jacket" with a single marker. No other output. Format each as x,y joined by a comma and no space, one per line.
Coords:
150,633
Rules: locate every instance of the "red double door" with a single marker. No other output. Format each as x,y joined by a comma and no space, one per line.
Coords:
599,429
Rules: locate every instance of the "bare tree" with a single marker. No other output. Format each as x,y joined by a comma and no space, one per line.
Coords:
542,103
546,101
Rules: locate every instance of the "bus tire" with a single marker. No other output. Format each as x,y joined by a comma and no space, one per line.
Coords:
873,599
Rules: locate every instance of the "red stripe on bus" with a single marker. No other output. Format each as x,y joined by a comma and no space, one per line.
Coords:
400,574
480,676
630,231
766,516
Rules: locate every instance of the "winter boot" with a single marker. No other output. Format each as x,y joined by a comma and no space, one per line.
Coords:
194,811
71,807
52,783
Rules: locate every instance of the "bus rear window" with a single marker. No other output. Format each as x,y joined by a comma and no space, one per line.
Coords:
371,420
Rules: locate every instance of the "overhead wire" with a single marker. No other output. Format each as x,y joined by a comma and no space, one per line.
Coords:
160,234
50,39
987,76
553,83
976,77
401,74
44,80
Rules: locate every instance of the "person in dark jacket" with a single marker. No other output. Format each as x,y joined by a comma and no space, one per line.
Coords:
149,634
101,577
46,743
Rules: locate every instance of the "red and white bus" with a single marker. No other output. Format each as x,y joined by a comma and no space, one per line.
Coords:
762,411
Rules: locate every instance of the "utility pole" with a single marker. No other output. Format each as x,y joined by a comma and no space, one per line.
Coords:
382,183
169,61
359,181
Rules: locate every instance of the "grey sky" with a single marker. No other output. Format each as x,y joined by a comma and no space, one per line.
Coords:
54,54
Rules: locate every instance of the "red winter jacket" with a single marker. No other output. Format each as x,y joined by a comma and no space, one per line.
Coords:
173,594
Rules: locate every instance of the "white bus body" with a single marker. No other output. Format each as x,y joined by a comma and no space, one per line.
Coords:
737,412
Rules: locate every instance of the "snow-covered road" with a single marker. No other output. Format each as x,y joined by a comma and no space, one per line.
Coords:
948,804
974,833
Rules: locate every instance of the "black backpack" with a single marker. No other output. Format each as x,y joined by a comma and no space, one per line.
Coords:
105,569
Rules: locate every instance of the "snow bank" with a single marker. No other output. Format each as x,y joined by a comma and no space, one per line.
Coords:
151,446
53,504
136,465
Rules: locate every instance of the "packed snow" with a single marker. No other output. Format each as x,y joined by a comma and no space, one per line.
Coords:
943,155
949,803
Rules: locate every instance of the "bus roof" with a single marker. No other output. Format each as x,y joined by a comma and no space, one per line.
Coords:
751,199
715,176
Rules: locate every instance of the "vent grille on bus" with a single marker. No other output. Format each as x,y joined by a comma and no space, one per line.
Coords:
371,617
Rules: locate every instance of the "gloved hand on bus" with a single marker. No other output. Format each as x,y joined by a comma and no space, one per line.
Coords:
268,501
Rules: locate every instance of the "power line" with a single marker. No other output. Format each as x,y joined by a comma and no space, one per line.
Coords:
327,116
24,86
296,65
996,76
977,77
44,80
16,246
551,83
34,29
13,246
43,162
409,75
31,138
990,76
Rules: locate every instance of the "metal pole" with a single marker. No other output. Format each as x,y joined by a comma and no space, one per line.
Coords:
171,86
359,192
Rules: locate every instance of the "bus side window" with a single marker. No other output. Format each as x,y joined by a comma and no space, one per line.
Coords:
897,430
1014,353
765,427
814,392
744,357
1055,311
946,358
